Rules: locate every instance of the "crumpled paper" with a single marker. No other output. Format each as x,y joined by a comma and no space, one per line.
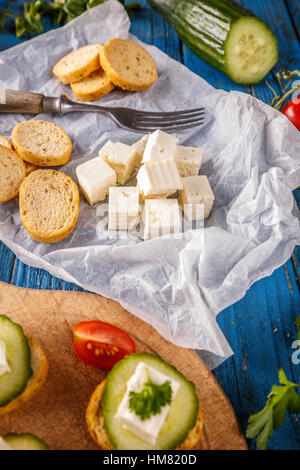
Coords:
252,160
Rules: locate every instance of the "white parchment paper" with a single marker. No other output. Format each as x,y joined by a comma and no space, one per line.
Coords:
252,160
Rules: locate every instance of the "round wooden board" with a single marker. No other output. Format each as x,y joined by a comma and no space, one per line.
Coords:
57,413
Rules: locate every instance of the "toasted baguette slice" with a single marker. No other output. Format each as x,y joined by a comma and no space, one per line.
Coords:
41,143
40,366
5,142
128,65
78,64
12,173
93,87
95,423
49,205
29,167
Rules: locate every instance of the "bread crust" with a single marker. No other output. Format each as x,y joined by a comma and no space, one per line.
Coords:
134,69
11,166
40,367
41,159
95,423
37,235
5,142
77,72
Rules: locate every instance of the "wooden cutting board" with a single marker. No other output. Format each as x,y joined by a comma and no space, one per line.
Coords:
57,413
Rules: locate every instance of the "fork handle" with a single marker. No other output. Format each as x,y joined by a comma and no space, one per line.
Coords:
13,101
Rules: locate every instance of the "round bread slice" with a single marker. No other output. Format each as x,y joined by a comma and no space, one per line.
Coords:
78,64
128,65
12,173
95,423
42,143
93,87
40,366
5,142
49,205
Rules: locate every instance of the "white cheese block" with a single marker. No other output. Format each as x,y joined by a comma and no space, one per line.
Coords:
3,445
161,217
196,198
159,178
188,160
95,178
121,158
4,367
160,146
123,209
139,147
148,429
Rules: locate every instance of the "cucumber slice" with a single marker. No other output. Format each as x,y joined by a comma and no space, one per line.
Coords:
250,50
18,357
181,417
25,441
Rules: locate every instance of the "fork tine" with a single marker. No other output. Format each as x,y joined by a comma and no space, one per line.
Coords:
176,120
171,128
168,113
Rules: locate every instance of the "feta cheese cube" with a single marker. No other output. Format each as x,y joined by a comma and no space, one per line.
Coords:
159,178
123,209
188,160
161,217
148,429
95,177
139,147
4,367
120,157
196,198
160,146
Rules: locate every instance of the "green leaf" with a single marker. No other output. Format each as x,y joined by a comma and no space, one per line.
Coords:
282,398
94,3
266,433
297,322
5,14
150,400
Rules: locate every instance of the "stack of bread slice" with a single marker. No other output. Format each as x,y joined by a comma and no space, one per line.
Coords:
92,71
48,198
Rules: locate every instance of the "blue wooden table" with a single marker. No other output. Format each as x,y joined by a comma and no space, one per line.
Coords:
260,328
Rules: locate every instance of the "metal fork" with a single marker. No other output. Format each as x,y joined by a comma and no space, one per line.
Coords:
12,101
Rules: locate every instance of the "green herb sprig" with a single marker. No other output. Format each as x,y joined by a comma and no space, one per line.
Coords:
281,398
61,12
150,400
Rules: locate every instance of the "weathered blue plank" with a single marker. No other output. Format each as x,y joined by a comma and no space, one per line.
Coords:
7,259
261,337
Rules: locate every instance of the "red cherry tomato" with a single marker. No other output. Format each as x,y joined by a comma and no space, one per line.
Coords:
292,111
100,344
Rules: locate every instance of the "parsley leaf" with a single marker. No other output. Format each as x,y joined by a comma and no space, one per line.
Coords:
150,399
272,416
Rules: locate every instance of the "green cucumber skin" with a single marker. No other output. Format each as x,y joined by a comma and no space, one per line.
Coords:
143,357
14,438
27,359
204,26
